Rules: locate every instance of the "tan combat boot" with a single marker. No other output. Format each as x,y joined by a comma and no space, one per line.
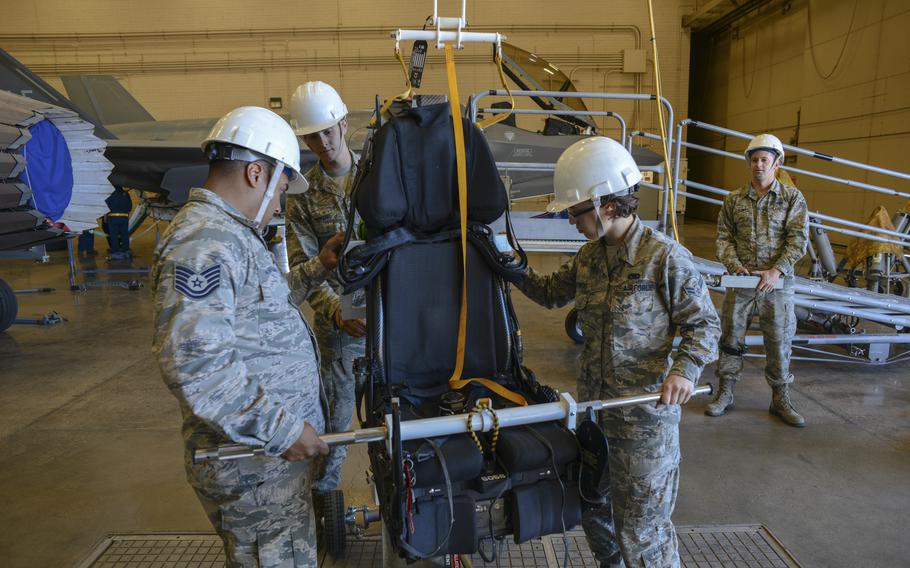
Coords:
724,400
783,408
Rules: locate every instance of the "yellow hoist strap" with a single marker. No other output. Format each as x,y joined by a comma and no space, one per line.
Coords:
403,96
456,382
496,118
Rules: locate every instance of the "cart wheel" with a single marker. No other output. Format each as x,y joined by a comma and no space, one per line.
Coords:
573,330
334,526
8,306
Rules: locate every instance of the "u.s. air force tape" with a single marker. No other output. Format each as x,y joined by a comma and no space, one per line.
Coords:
196,285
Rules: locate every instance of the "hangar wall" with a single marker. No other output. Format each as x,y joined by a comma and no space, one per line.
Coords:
200,59
830,75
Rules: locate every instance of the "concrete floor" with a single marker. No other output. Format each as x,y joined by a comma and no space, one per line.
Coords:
90,441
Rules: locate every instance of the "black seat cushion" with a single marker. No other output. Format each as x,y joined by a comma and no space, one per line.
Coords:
421,305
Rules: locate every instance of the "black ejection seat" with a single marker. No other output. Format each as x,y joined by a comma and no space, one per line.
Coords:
460,493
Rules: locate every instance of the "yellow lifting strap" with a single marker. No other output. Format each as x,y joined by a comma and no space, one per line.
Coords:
496,118
456,382
403,96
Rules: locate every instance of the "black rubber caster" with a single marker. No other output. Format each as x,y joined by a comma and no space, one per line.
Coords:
334,529
9,306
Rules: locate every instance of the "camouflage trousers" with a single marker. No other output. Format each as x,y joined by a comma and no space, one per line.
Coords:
777,321
632,528
262,510
338,352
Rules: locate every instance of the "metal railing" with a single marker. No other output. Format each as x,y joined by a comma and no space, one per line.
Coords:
899,238
473,109
476,97
607,113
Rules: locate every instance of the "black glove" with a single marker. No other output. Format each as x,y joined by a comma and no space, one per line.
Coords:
515,276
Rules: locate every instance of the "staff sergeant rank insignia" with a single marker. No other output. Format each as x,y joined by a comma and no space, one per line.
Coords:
196,285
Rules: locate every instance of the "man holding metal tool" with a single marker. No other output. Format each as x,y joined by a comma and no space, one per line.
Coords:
633,288
235,351
762,229
318,116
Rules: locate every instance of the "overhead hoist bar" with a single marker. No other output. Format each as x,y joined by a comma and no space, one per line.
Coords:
448,30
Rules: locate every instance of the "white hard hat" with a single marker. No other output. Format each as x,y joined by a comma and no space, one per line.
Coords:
592,168
315,106
264,133
767,142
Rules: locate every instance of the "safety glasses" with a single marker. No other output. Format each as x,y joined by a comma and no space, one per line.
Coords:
575,212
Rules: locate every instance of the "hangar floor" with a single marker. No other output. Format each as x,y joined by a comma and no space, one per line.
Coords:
90,442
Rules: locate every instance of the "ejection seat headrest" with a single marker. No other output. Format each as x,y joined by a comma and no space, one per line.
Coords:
412,179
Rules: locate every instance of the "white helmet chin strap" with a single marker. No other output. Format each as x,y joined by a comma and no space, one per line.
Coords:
601,230
269,192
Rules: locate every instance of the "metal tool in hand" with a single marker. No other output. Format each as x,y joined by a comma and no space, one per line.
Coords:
566,409
738,281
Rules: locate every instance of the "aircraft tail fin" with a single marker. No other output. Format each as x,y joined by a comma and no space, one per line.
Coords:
19,79
105,99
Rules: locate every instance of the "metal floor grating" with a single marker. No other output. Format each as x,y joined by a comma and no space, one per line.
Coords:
721,546
184,550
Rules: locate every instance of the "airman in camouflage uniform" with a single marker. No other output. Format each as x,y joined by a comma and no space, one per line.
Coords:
762,229
312,219
241,360
319,118
634,288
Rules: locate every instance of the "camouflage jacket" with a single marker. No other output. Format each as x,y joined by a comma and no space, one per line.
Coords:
233,349
759,234
630,312
312,218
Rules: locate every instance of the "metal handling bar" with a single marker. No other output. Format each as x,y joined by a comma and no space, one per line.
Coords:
237,451
737,281
824,291
566,409
706,389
